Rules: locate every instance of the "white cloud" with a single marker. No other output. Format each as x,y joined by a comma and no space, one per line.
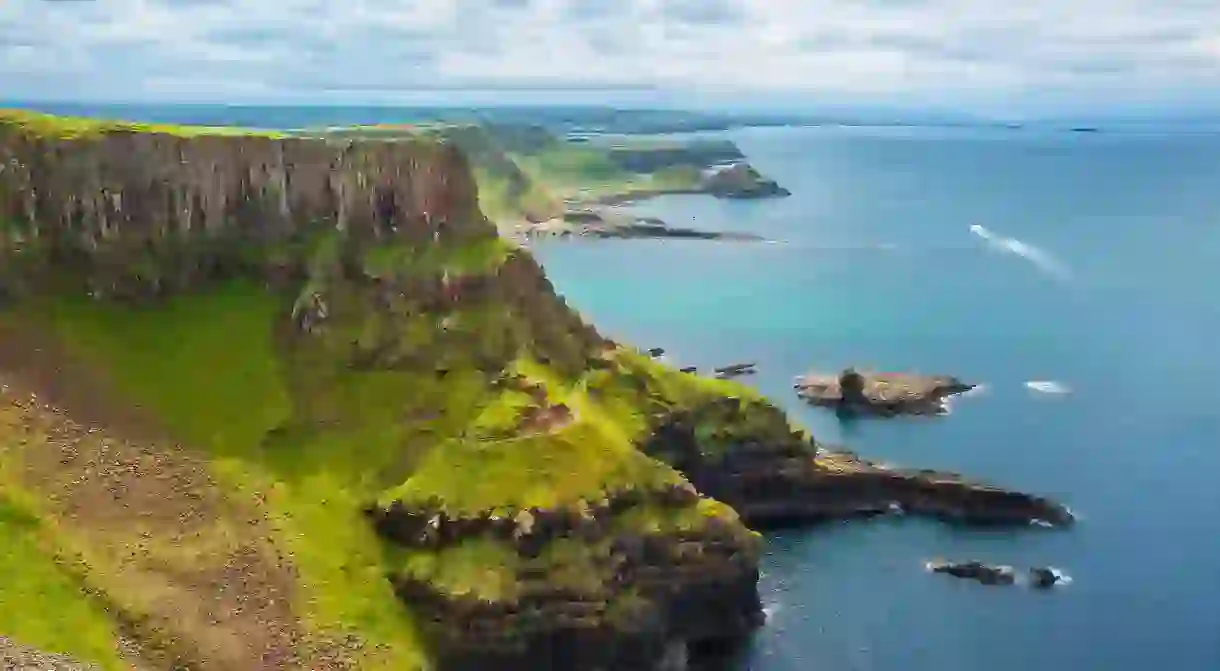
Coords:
951,50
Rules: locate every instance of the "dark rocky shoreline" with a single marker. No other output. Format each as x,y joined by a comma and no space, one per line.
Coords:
612,223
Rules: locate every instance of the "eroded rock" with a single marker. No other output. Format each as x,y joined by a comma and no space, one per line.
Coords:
880,394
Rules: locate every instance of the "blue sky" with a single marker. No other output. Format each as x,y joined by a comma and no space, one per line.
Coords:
977,55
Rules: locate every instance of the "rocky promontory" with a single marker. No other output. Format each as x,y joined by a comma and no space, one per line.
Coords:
880,394
311,411
607,222
774,476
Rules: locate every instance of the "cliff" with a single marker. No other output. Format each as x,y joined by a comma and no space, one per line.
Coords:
279,402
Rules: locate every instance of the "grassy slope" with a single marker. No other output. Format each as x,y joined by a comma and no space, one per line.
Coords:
182,363
207,366
41,599
210,368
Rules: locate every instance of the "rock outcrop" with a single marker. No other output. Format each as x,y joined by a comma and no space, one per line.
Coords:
742,453
741,180
628,593
880,394
977,571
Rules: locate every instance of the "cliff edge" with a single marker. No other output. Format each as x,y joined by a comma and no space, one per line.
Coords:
275,402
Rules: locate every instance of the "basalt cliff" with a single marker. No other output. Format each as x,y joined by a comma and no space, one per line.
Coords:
271,402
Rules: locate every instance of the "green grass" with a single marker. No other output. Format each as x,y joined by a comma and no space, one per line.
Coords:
568,469
654,520
66,128
483,568
42,602
207,365
480,258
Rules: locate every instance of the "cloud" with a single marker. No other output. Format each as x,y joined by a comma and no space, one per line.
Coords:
932,50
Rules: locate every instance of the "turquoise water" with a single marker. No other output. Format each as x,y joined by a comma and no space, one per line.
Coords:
876,265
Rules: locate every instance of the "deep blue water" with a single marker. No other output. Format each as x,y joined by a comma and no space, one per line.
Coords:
877,266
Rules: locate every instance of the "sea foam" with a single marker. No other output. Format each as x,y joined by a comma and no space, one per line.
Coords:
1040,258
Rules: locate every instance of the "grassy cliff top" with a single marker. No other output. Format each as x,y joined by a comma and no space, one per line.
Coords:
60,127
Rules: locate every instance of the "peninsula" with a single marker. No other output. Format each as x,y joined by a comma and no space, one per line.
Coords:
533,183
273,402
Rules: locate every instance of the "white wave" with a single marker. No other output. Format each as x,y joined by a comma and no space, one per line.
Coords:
1041,523
1048,387
1062,578
976,390
1040,258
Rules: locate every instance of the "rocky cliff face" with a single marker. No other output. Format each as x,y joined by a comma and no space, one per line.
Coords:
149,212
540,494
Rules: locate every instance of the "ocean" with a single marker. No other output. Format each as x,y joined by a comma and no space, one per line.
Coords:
1091,260
1096,267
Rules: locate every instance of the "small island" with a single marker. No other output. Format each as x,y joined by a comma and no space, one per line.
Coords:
880,394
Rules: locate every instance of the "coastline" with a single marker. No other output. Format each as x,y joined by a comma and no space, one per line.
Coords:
618,490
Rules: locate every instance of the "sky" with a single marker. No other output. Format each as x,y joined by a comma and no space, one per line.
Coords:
990,56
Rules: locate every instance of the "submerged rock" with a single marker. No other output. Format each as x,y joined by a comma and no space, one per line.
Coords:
881,394
736,370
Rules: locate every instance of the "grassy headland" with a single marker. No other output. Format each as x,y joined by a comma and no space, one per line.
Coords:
196,469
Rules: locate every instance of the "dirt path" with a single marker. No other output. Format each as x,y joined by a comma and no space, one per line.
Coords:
196,576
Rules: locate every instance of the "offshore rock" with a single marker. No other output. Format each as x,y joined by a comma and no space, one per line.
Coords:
880,394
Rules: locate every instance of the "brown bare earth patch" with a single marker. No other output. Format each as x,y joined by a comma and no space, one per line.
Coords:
192,574
545,419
